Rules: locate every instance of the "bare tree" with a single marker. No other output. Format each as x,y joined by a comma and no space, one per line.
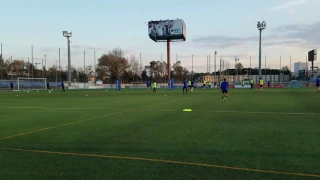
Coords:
238,66
134,68
115,62
285,68
180,73
17,67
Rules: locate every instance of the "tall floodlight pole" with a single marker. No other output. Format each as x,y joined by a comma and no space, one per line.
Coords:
11,64
280,71
290,69
28,69
250,66
56,74
1,60
45,65
142,67
68,35
215,64
192,66
261,26
32,61
42,68
220,68
84,67
223,67
59,65
95,63
209,64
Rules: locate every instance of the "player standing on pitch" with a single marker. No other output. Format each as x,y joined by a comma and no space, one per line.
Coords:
224,89
148,85
251,83
261,84
154,86
318,84
10,87
192,85
48,87
62,87
185,87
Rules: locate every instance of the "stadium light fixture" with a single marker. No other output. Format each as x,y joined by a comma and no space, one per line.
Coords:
68,35
261,26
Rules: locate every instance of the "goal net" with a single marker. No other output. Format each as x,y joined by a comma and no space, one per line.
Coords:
31,83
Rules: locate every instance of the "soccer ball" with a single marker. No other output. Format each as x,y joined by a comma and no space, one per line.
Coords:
28,91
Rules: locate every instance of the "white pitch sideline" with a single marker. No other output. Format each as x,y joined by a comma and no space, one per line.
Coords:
166,110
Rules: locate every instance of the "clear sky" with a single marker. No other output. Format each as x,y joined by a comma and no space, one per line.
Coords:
228,27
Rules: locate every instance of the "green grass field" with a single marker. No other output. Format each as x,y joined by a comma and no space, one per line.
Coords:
137,135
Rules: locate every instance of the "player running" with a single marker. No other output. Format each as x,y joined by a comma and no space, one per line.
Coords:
148,85
224,89
318,84
189,85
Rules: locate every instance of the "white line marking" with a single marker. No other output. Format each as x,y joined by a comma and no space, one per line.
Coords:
166,110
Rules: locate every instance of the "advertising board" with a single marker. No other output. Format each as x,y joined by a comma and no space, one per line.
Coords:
167,29
312,55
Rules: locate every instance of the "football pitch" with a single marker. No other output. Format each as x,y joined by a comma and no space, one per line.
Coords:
136,134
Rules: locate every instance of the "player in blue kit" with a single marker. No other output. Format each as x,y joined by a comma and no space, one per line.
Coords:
185,87
224,89
62,87
318,84
11,87
192,85
148,85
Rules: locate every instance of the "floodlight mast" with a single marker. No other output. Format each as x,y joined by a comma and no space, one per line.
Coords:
261,26
68,35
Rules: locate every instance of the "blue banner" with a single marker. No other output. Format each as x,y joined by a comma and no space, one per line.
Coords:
171,84
118,85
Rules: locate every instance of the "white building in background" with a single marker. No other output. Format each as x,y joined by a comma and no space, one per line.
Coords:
299,66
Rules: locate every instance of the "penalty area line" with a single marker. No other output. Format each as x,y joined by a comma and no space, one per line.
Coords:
164,161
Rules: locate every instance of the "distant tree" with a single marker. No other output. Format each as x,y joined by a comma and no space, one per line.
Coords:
285,68
180,73
144,75
29,66
115,62
17,67
238,66
89,71
134,68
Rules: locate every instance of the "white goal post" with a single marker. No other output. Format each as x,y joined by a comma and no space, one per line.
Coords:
31,83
